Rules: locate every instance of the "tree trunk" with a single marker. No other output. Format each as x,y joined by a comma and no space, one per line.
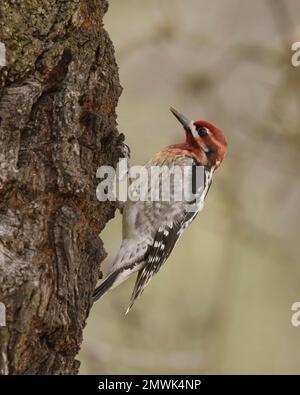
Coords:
59,91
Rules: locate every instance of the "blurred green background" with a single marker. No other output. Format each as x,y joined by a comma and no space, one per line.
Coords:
222,302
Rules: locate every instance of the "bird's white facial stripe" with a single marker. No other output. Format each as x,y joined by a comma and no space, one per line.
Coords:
195,134
193,129
205,149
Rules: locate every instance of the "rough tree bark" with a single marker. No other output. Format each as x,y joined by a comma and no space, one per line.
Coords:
59,91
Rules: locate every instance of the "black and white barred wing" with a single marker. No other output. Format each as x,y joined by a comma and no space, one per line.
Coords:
166,238
164,242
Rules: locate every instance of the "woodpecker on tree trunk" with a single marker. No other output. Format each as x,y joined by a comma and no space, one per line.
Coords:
152,228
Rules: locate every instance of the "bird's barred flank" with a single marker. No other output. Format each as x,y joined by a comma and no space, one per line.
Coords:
151,229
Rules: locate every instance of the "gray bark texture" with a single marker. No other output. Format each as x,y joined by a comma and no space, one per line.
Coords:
59,91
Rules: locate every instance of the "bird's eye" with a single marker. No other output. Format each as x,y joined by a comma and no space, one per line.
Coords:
202,130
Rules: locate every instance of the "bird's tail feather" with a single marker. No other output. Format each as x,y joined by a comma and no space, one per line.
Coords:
105,286
140,284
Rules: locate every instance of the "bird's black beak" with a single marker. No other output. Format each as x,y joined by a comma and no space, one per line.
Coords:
182,119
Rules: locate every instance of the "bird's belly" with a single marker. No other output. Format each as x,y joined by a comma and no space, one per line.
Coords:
126,273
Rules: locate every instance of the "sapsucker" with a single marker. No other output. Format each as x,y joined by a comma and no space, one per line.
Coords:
152,228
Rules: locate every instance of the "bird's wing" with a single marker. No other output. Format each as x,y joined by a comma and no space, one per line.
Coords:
165,240
157,253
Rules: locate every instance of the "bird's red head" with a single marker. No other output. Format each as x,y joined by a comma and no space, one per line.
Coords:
204,140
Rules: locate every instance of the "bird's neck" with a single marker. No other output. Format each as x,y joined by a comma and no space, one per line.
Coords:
190,150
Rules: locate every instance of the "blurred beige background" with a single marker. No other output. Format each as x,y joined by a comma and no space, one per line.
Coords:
222,302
